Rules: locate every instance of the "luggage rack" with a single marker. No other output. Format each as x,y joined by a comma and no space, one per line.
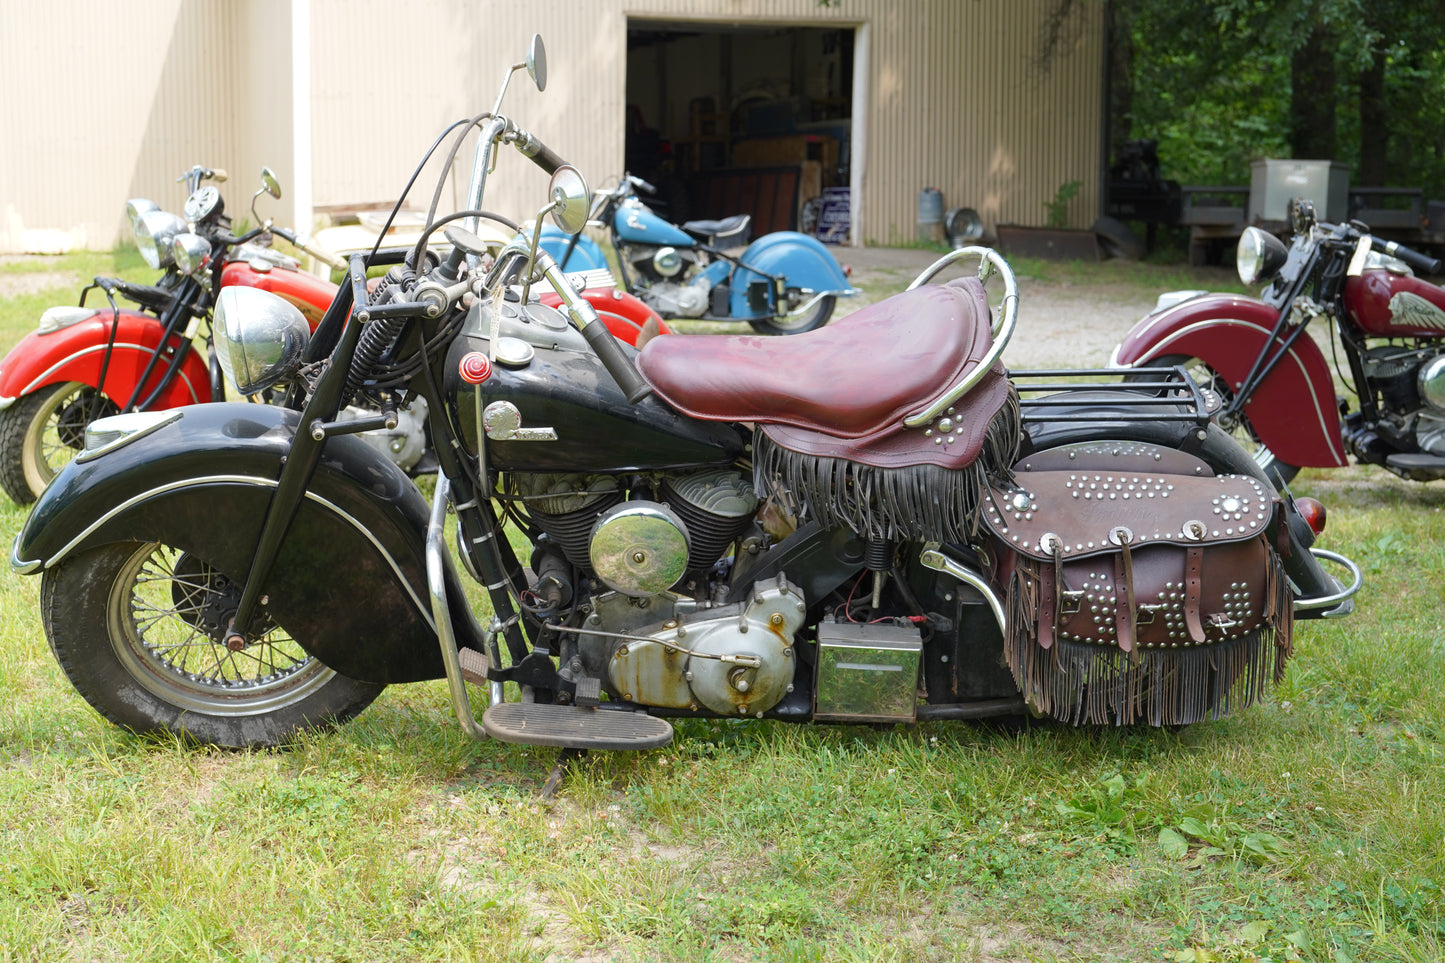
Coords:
1166,394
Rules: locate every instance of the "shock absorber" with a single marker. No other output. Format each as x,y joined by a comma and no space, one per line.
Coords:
878,557
378,335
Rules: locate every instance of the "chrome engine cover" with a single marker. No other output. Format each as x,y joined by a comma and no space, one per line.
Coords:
735,660
1431,382
639,548
682,300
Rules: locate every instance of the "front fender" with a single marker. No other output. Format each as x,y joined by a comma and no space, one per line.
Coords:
803,260
310,294
1293,411
75,353
586,255
349,583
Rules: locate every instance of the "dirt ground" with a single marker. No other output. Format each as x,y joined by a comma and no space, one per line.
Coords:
1059,325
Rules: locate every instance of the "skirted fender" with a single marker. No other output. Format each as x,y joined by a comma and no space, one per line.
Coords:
585,256
1293,410
349,584
75,353
803,260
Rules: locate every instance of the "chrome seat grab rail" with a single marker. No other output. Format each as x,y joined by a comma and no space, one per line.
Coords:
1003,327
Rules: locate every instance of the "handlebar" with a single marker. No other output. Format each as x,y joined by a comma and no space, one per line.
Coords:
1417,261
539,153
305,243
603,342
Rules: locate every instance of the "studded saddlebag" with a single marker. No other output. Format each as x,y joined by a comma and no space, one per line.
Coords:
1140,596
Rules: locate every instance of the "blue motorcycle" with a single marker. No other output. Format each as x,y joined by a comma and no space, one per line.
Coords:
783,283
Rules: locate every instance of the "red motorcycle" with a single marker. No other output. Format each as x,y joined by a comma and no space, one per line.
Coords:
87,362
1270,380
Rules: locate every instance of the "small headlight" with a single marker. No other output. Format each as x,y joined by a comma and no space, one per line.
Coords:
1259,255
137,206
153,236
191,252
261,338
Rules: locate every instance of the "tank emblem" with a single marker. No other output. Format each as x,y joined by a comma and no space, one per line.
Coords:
475,368
503,422
1414,311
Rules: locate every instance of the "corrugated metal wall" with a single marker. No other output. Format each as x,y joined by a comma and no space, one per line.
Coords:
126,96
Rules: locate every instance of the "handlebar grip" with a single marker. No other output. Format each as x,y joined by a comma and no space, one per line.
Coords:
218,175
1416,260
618,365
539,153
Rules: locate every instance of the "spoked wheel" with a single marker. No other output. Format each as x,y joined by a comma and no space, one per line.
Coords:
139,629
1238,426
42,432
806,320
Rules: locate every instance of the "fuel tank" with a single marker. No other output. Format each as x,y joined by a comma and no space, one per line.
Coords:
548,404
635,223
1385,304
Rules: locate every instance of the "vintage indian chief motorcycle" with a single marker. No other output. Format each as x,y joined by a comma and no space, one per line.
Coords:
862,523
83,363
1275,386
782,283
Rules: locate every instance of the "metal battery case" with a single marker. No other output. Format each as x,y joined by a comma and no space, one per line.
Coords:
867,673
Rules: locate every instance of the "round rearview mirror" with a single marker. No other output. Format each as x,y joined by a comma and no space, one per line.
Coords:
537,62
269,181
570,200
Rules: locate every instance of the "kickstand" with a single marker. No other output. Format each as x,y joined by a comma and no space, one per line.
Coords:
559,771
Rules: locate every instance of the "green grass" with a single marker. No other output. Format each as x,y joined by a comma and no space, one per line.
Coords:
1311,827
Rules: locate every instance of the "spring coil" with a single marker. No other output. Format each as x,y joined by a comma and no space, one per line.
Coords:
377,336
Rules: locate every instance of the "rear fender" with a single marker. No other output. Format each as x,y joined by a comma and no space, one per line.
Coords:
1293,411
801,259
75,353
349,583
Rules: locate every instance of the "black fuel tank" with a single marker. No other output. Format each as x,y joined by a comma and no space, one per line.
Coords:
552,380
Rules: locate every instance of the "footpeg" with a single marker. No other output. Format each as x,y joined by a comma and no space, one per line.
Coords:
575,727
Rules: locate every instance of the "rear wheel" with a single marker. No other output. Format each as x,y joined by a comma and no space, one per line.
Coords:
813,317
139,629
1278,472
42,432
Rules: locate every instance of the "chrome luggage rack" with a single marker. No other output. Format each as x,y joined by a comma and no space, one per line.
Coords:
1166,394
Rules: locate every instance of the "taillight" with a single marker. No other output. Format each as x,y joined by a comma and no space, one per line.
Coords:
1313,512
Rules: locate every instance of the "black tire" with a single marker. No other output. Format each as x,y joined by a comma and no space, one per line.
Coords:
137,628
43,432
809,320
1280,473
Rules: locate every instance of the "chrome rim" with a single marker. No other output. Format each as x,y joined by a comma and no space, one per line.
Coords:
57,433
168,614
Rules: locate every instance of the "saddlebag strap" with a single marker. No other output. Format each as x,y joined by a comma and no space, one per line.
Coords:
1124,613
1050,594
1193,590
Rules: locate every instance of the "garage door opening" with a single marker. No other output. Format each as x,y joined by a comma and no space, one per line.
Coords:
729,119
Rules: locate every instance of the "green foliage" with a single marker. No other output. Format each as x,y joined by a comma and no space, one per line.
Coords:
1210,80
1059,206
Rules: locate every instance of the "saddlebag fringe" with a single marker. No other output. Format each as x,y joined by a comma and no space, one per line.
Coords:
922,502
1093,681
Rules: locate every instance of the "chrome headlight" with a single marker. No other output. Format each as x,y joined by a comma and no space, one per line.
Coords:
261,338
191,252
154,232
667,262
1259,256
137,206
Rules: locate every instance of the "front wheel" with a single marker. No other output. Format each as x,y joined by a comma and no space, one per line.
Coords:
1279,472
43,432
796,323
139,630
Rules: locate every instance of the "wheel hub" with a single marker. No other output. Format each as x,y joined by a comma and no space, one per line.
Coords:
204,597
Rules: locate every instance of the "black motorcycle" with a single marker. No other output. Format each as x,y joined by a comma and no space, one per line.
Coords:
873,522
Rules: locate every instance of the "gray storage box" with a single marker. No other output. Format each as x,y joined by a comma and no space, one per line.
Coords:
867,673
1273,182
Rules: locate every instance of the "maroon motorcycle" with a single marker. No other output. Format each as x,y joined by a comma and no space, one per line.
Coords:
1271,380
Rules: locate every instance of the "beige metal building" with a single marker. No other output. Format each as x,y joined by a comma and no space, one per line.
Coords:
995,103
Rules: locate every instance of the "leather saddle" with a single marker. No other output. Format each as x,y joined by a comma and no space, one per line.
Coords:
843,391
727,232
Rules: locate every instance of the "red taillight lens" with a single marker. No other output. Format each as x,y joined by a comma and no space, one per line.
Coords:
1313,512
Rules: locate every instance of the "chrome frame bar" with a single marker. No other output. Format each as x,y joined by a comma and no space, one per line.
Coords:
1003,328
436,563
1340,597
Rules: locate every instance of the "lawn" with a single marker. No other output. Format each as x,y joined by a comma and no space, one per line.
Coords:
1309,827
